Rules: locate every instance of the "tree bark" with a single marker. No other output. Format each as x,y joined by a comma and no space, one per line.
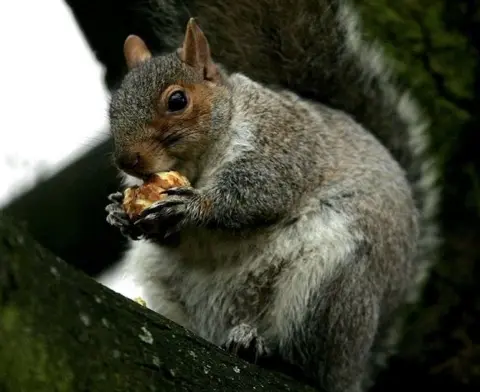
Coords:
66,212
62,331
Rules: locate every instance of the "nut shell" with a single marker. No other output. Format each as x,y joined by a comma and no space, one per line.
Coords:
137,198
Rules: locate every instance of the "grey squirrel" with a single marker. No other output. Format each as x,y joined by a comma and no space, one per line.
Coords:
311,216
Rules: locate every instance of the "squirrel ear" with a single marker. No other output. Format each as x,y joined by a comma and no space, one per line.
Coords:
135,51
195,51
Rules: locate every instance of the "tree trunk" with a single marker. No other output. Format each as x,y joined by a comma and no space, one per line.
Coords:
62,331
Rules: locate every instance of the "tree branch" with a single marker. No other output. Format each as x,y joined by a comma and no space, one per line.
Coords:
62,331
66,212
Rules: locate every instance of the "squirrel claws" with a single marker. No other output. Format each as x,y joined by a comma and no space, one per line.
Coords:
170,213
181,191
159,208
243,340
118,218
116,197
165,217
165,210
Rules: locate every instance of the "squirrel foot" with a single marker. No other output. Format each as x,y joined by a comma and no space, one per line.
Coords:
243,340
117,217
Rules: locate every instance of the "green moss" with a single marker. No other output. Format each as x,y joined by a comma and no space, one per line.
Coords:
435,60
27,361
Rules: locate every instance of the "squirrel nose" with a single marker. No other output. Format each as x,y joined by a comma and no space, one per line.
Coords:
128,161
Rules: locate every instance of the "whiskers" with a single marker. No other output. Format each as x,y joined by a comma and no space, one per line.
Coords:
170,138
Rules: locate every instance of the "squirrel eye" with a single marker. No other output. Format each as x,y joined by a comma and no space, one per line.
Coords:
177,101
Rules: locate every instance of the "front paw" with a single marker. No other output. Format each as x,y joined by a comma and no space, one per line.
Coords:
167,217
118,218
244,341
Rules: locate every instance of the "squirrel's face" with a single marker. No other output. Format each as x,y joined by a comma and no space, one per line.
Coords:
163,116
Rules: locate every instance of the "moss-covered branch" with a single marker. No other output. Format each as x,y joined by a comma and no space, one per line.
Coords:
62,331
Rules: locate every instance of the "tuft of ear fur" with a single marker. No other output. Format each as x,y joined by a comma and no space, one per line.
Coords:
195,52
135,51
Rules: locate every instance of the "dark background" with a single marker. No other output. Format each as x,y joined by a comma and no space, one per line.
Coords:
436,45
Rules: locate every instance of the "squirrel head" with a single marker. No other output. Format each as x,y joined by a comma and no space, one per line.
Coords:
169,108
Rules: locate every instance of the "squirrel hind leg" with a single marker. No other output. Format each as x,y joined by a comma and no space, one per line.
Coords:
244,341
332,341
